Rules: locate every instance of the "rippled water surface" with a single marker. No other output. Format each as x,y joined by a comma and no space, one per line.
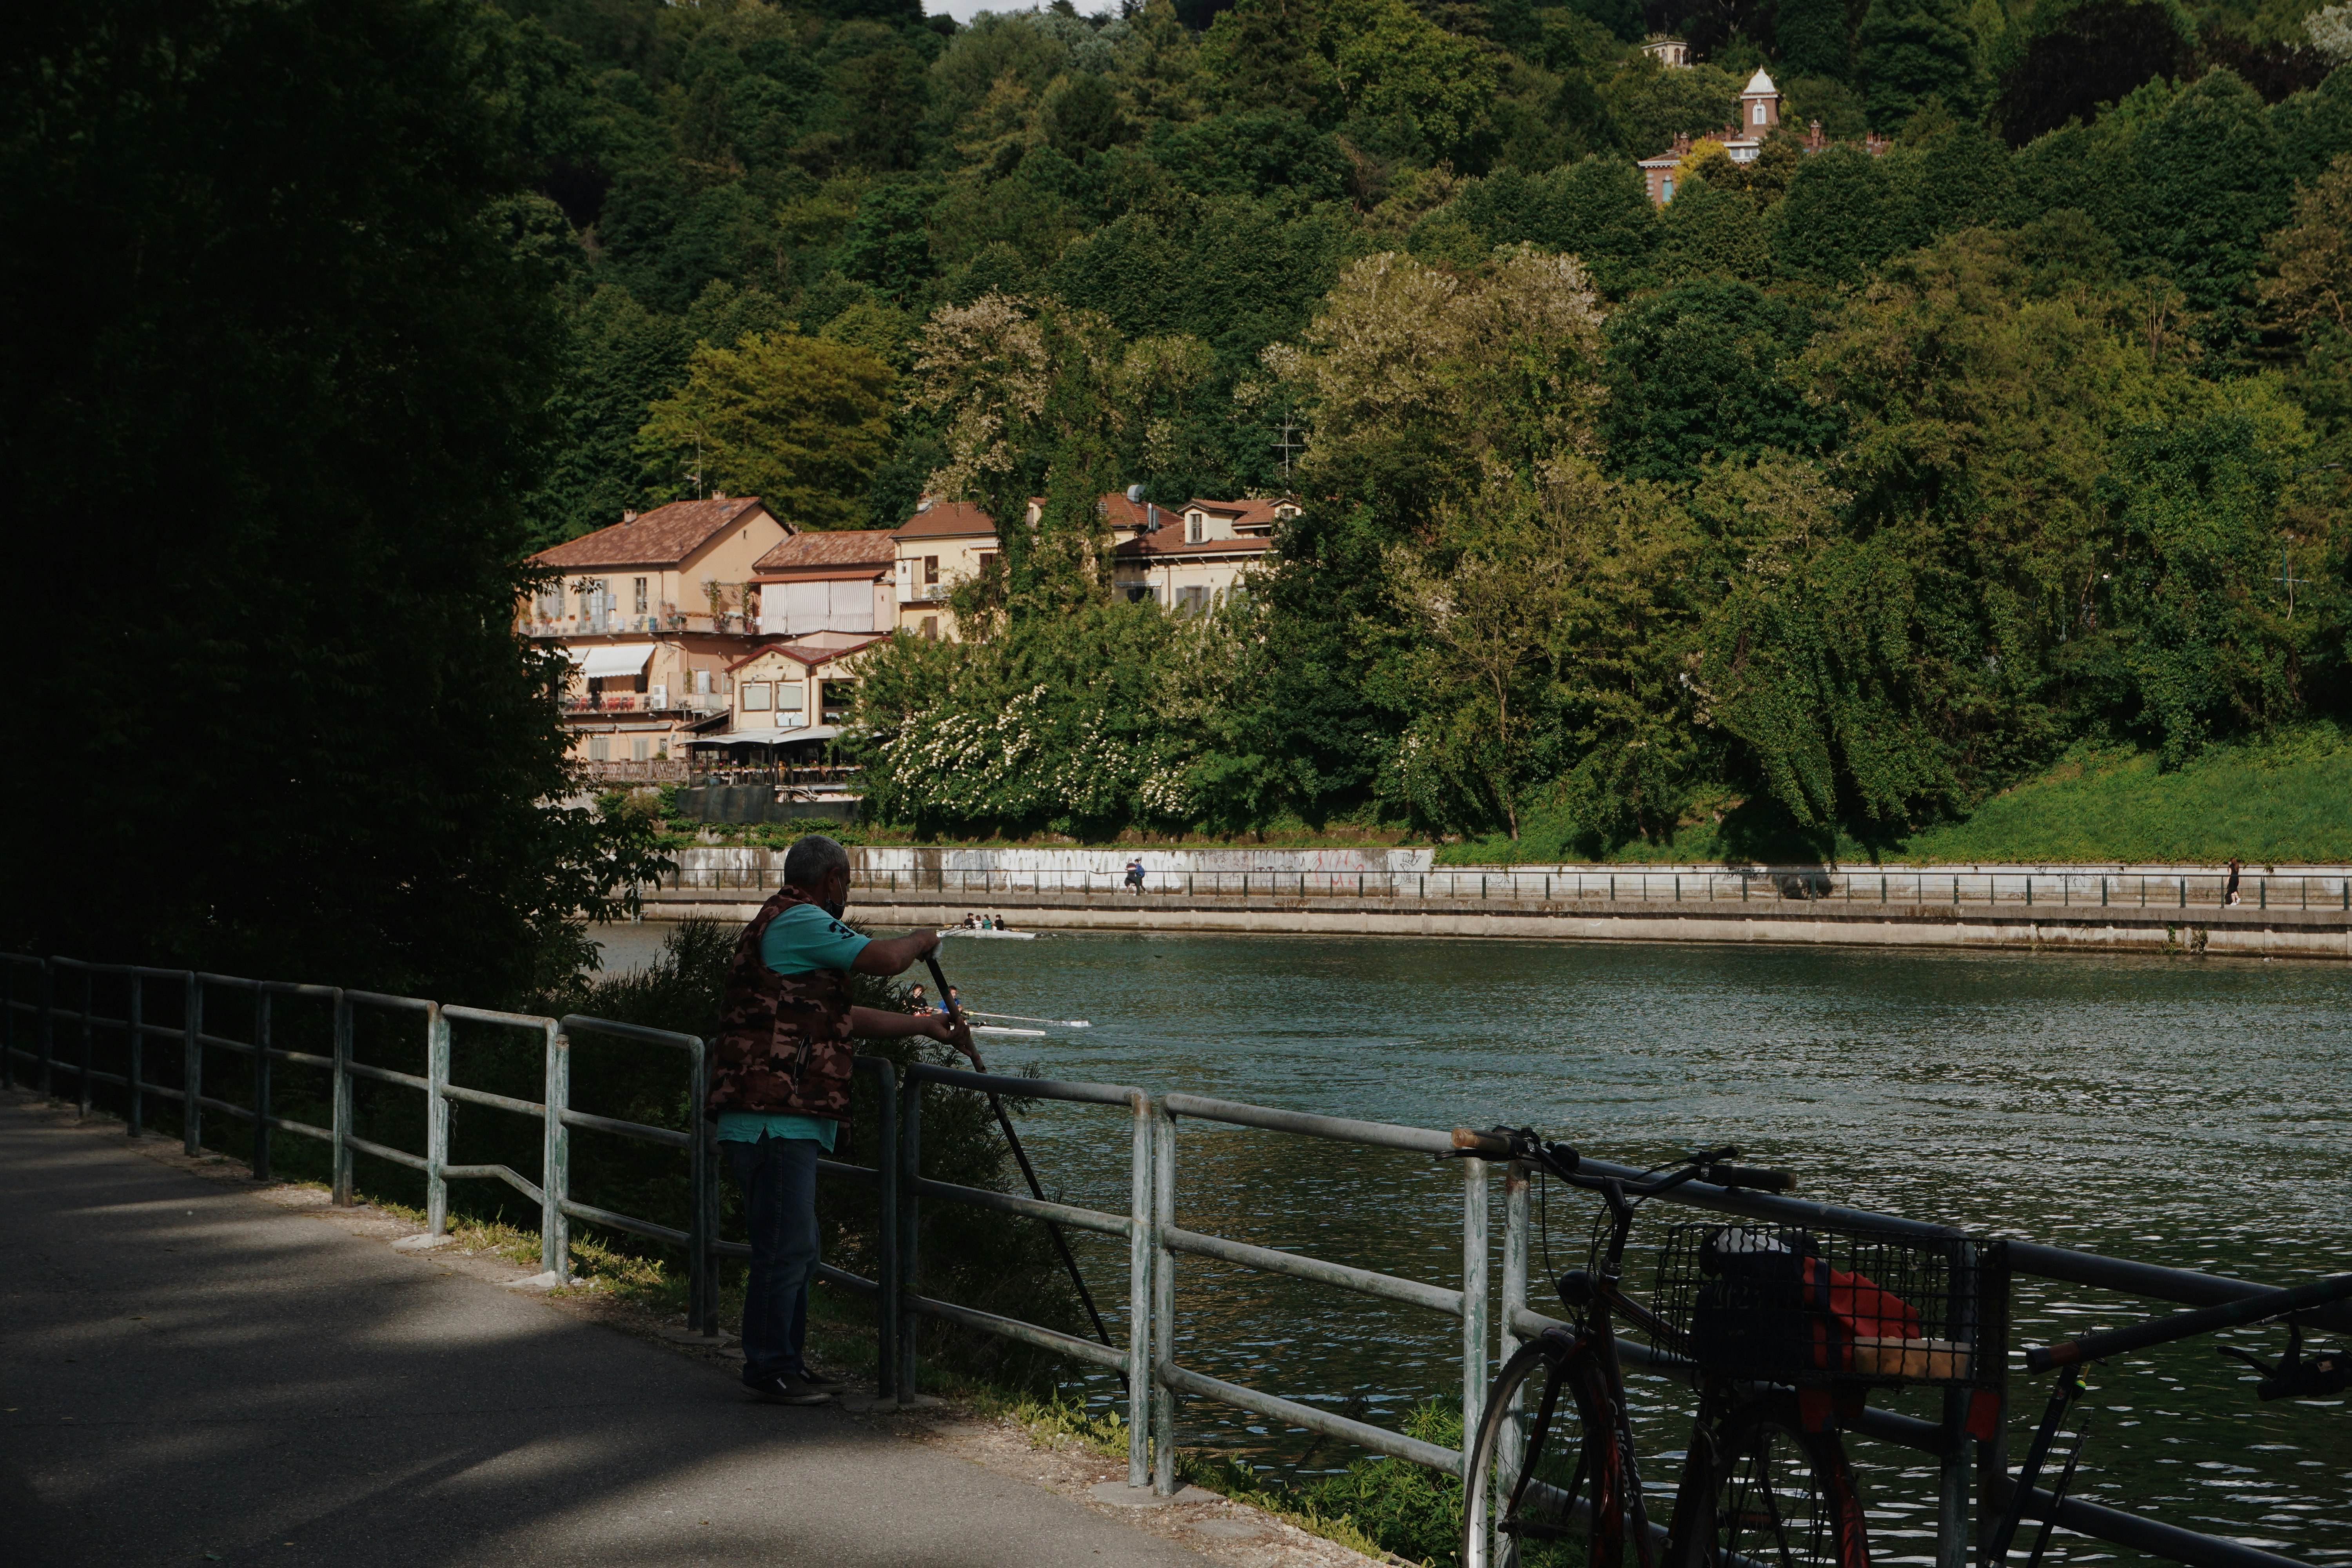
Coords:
2196,1113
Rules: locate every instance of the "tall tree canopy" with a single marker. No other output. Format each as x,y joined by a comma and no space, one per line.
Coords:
273,375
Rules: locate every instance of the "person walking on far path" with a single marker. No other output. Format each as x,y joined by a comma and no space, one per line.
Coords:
2235,867
780,1089
1135,874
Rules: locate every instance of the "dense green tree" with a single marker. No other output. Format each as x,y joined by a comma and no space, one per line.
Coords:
1706,369
1650,106
1264,154
1844,214
1597,209
2197,534
2206,183
2069,56
1711,232
620,358
1811,35
261,284
801,423
1908,52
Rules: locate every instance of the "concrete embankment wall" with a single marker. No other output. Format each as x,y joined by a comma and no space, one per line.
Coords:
2245,931
960,876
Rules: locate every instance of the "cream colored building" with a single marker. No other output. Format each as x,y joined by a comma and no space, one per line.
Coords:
839,581
1202,550
944,543
632,611
791,693
655,571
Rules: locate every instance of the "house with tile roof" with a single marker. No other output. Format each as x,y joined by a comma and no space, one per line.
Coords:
1203,549
841,581
789,698
944,543
632,609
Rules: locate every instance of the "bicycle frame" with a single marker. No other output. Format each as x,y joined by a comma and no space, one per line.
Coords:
2069,1355
1603,1302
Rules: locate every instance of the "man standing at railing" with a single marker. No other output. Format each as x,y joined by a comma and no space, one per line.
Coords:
780,1089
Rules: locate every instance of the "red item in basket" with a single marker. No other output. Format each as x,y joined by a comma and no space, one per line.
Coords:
1846,1307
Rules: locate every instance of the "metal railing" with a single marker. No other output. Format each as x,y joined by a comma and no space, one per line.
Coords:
1924,890
1153,1378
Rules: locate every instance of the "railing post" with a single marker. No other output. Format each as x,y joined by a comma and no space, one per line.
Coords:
1164,1302
910,1170
555,1165
1955,1464
134,1109
1142,1243
436,1119
885,1225
88,997
48,1026
1475,1245
1506,1337
261,1000
339,1173
701,1284
192,1068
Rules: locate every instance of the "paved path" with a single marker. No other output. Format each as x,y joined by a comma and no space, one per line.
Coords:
192,1375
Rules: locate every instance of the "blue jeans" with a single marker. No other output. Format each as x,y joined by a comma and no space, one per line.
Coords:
778,1176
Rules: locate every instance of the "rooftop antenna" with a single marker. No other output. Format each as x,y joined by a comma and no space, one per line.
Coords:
1285,447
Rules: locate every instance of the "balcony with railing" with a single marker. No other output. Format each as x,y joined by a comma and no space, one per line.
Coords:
667,624
660,699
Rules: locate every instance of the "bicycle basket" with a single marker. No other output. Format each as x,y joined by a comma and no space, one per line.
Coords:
1784,1305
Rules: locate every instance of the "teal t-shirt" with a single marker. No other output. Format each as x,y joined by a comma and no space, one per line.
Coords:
801,938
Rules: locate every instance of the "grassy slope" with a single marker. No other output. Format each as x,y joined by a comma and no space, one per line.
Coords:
2286,801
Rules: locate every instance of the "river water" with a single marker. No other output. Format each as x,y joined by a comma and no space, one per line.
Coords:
2193,1112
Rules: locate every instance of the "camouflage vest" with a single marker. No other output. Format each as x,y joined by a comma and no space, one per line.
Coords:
783,1044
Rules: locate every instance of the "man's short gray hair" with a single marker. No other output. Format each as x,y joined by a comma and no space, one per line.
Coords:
813,858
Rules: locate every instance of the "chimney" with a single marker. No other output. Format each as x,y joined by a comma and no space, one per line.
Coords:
718,495
1813,138
628,517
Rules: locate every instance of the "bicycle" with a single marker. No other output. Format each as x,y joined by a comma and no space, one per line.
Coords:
2292,1376
1771,1326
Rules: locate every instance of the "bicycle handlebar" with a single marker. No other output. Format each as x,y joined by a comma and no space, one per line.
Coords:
1747,1176
2186,1325
1507,1144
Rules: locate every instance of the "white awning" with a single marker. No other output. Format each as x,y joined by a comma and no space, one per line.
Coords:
600,663
768,737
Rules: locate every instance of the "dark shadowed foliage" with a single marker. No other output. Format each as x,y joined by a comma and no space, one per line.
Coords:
272,374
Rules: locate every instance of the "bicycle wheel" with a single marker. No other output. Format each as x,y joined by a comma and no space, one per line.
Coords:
1548,1475
1781,1495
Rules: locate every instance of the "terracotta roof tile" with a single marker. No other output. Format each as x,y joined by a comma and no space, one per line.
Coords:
1170,541
665,536
945,519
844,547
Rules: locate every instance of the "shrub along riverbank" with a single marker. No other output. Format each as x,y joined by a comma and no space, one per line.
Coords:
2276,801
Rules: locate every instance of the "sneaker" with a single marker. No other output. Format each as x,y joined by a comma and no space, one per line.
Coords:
783,1388
816,1376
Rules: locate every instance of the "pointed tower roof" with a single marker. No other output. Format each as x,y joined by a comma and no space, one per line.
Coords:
1760,85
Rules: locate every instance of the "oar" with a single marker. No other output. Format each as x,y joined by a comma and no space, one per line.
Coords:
1061,1242
998,1029
1025,1018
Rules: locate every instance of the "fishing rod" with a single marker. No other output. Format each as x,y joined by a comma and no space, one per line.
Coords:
1061,1242
1025,1018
